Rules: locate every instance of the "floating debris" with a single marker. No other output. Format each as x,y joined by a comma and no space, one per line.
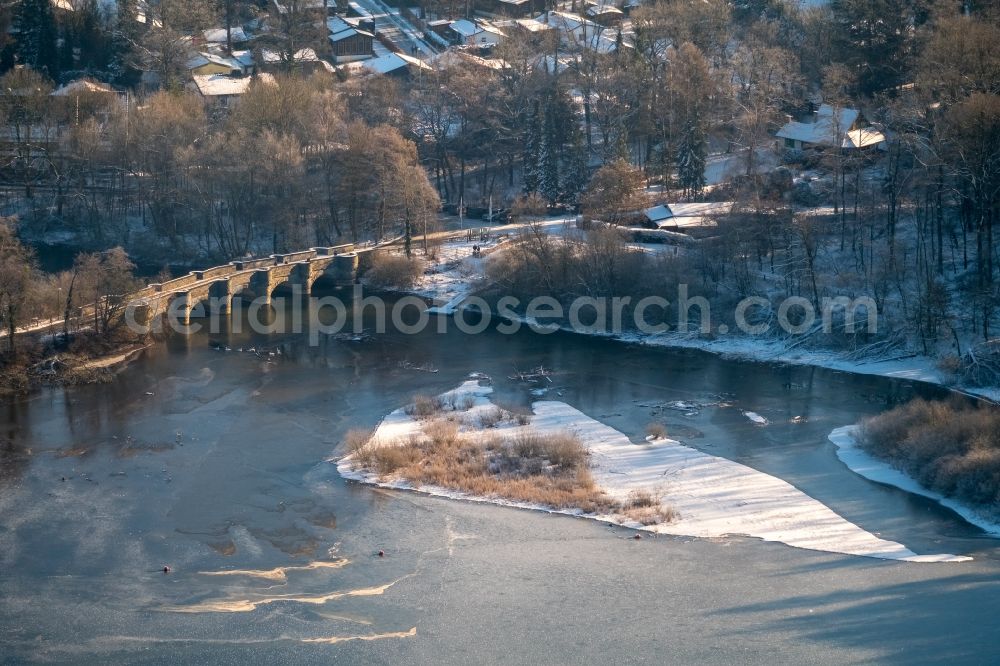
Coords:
533,375
756,418
425,367
683,406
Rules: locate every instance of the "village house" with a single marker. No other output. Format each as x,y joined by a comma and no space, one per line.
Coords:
219,92
475,33
579,32
304,61
605,14
684,216
206,63
397,65
831,128
348,41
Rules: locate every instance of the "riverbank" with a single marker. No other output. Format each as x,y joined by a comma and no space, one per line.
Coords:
457,275
708,496
33,371
861,462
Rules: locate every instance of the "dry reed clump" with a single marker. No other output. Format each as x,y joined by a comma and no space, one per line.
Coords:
492,417
549,470
656,430
424,407
546,469
646,509
951,447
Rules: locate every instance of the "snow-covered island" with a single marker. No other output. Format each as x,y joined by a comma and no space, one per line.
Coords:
687,492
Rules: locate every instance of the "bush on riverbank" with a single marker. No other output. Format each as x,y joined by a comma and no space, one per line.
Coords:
951,447
394,271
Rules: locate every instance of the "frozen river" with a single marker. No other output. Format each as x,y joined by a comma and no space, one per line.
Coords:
212,462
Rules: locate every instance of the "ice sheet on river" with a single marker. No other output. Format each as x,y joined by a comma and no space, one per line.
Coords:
715,497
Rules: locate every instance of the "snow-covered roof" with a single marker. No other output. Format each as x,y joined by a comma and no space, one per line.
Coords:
335,24
533,25
204,58
829,122
862,138
658,213
219,85
82,86
600,10
567,21
687,215
390,62
306,5
302,55
349,32
486,26
459,56
218,35
465,27
245,58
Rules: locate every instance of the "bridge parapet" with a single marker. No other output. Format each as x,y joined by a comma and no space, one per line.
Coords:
175,284
215,272
292,257
333,250
253,264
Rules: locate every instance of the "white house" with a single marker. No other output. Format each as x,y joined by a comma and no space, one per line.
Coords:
578,32
221,91
478,33
831,128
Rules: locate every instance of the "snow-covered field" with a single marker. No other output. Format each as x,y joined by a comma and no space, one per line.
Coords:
857,460
714,497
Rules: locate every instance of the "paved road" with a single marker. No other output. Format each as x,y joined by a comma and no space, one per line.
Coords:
390,23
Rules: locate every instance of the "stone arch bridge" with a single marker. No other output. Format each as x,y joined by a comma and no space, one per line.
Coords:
252,278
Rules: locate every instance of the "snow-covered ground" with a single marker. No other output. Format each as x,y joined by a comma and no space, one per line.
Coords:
453,276
723,167
857,460
714,497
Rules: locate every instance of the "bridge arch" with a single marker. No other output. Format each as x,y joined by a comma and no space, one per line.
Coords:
286,280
